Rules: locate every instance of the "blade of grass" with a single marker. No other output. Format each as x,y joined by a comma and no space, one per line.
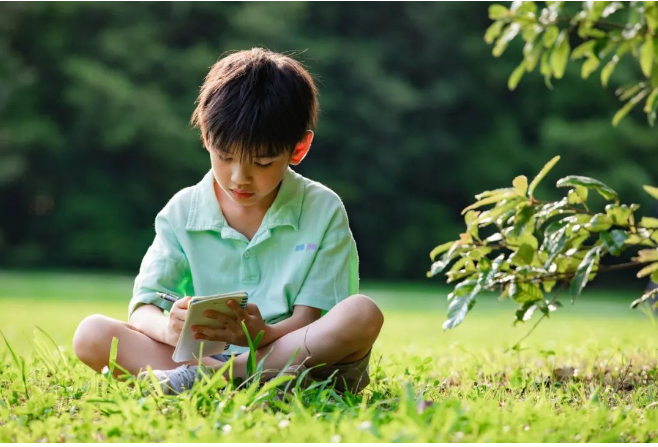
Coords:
59,352
19,364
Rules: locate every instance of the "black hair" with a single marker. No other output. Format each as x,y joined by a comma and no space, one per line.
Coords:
256,104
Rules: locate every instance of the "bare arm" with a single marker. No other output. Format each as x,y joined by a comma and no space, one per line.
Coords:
301,316
150,320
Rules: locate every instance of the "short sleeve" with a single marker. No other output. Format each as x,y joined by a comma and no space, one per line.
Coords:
334,273
164,269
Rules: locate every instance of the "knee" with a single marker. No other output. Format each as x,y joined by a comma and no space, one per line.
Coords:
93,337
365,315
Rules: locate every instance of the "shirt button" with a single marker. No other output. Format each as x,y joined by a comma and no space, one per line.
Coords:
247,254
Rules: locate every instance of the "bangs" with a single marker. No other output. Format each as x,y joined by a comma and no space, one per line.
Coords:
246,152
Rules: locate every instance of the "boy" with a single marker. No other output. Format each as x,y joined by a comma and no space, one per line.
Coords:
251,224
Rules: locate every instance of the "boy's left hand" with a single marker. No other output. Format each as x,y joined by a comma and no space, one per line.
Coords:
230,327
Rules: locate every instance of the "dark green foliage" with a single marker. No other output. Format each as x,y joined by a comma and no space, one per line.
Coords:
95,100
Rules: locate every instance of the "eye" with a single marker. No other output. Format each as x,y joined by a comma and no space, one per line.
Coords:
225,159
262,165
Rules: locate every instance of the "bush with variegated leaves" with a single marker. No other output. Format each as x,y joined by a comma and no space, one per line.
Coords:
538,247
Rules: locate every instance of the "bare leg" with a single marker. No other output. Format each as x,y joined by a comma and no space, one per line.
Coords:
345,334
136,350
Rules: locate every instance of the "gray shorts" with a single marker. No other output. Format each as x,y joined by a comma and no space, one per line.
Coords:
353,376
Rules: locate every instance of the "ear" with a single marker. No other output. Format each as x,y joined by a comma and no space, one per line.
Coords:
302,148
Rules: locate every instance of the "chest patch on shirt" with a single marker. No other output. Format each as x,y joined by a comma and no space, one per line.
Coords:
306,247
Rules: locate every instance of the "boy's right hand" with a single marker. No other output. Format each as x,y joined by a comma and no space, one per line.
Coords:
177,316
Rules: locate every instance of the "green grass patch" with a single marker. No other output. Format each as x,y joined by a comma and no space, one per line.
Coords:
586,374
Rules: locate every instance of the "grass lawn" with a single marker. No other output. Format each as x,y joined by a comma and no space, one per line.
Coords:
586,374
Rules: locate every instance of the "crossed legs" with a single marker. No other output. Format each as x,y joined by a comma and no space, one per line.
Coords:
345,334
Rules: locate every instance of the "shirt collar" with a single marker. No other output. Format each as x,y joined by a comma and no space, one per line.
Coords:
206,214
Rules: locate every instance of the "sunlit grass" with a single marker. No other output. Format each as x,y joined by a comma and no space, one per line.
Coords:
586,374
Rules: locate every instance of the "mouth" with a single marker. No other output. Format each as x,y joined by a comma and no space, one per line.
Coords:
242,194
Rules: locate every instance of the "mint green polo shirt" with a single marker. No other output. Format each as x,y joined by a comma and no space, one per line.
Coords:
302,254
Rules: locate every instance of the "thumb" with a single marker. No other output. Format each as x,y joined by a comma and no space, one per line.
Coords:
184,303
252,309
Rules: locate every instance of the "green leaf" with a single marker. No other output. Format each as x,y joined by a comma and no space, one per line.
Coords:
489,200
506,37
621,113
525,312
455,250
576,180
560,54
652,101
525,7
577,195
619,214
649,222
523,256
648,270
599,222
525,238
470,217
526,292
555,244
459,307
547,167
646,255
651,16
551,209
550,36
498,12
627,93
581,277
495,268
484,194
523,218
607,70
548,286
589,66
501,210
516,76
440,249
521,184
614,241
652,190
493,31
532,57
647,55
584,49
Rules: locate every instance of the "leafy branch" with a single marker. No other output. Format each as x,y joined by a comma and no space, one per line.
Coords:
548,34
534,246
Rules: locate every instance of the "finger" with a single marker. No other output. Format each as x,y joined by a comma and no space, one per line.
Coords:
221,318
237,309
183,303
209,333
253,309
178,314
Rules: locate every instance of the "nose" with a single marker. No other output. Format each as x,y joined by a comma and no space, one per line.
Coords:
241,174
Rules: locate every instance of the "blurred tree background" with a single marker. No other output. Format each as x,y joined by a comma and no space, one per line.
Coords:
416,119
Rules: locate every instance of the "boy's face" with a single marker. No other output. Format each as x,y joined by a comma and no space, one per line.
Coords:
248,184
255,183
